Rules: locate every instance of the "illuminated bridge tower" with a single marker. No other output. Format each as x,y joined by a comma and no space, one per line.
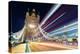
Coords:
31,24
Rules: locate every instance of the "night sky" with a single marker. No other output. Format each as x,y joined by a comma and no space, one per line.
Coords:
70,16
17,12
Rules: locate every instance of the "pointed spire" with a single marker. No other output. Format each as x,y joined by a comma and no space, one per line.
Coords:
33,10
27,13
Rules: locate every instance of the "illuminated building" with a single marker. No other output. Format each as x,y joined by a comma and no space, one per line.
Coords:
31,23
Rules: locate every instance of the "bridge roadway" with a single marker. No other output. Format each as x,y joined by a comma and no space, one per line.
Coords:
40,46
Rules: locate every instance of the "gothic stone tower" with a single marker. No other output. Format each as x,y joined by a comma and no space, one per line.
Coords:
31,23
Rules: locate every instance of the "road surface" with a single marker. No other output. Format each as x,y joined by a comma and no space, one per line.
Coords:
41,46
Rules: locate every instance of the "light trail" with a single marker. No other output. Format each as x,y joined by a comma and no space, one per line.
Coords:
54,20
22,34
69,27
17,35
52,11
18,49
45,36
64,27
66,30
72,34
69,33
53,45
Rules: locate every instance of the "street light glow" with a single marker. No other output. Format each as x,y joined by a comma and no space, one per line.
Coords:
31,25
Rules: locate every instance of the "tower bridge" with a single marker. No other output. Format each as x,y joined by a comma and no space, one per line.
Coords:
33,36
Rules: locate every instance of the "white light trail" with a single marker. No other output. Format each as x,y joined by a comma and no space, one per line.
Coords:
73,34
66,30
45,36
64,27
19,35
54,20
22,32
53,10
